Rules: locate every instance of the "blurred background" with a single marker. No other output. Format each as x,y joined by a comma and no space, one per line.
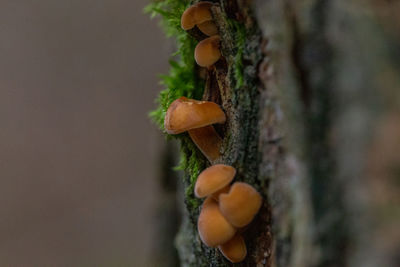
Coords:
78,182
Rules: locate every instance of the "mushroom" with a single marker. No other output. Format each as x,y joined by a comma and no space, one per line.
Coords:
208,141
199,15
235,249
188,20
203,12
213,179
208,28
241,204
207,51
196,117
185,114
214,229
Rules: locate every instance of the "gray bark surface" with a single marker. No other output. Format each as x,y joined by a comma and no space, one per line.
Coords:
315,127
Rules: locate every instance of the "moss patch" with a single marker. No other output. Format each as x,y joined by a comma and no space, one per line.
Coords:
182,80
240,35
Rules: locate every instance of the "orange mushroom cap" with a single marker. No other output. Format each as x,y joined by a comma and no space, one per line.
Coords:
185,114
207,51
213,228
235,249
213,179
241,204
203,12
208,28
196,14
188,20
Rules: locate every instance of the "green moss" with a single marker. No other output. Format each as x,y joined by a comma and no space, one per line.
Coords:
239,32
182,80
193,162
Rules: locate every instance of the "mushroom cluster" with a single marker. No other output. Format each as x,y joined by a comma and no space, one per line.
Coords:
228,207
196,117
199,15
226,210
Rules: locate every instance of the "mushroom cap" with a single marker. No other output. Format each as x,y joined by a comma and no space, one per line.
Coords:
207,51
188,20
241,204
208,28
235,249
203,12
213,228
207,140
196,14
185,114
213,179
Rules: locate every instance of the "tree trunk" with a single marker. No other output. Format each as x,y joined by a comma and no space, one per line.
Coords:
311,90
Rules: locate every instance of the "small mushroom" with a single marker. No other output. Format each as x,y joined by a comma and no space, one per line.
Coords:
241,204
203,12
188,20
199,14
213,179
207,51
213,228
208,28
208,141
235,249
185,114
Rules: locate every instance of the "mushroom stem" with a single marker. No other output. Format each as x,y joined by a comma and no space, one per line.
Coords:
208,141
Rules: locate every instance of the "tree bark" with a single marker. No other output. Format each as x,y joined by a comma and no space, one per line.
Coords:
312,97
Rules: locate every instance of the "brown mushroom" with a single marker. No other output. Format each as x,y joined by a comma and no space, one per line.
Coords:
208,141
241,204
213,228
207,51
185,114
208,28
196,15
213,179
188,20
203,12
235,249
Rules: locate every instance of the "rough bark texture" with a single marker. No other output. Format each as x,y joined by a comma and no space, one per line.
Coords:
314,124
